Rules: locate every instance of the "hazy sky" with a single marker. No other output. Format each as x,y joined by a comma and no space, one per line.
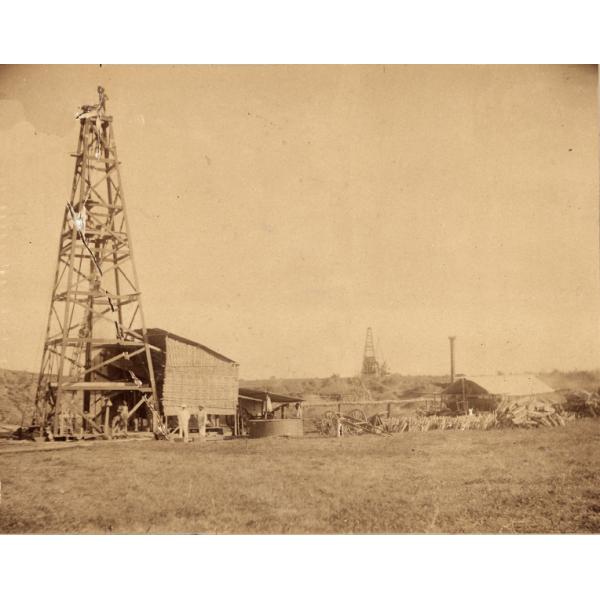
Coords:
276,212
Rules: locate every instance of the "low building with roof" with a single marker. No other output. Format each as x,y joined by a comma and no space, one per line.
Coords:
485,392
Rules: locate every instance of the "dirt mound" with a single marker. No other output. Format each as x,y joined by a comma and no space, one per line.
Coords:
425,389
17,393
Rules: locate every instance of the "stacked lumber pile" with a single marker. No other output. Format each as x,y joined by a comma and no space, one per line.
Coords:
582,403
429,423
511,412
528,412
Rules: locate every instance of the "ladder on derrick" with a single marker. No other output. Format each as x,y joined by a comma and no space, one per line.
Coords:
160,429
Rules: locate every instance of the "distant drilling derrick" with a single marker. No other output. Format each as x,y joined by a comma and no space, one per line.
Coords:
370,365
95,323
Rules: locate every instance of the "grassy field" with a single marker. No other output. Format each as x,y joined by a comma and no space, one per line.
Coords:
505,481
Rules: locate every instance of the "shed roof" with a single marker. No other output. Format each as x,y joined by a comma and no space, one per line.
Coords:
504,385
156,331
261,396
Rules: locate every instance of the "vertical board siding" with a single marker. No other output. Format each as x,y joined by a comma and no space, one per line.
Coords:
195,377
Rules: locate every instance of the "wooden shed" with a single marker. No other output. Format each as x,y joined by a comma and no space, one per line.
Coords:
188,374
191,374
484,392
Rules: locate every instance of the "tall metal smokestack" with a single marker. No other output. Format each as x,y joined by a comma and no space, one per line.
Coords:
452,338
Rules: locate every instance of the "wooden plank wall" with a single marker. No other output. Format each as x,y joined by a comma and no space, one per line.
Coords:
195,377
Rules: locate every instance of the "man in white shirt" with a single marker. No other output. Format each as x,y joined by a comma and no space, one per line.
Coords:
184,420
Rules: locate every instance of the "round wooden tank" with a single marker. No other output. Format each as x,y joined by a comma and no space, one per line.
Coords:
258,428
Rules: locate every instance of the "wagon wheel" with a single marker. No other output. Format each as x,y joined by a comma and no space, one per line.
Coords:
357,414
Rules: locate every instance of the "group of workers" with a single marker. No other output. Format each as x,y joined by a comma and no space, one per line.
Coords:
120,421
184,414
183,418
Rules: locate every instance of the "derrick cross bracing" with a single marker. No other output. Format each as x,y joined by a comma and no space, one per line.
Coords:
95,323
370,365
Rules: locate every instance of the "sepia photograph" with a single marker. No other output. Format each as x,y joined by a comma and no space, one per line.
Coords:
299,299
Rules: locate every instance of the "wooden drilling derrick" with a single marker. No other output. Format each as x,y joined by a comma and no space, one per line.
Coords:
95,322
370,365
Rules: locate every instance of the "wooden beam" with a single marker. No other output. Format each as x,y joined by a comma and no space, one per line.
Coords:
101,386
94,426
134,409
98,342
111,360
107,406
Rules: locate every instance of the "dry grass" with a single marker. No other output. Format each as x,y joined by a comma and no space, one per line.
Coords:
545,480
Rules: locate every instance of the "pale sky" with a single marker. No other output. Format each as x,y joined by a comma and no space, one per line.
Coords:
277,212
